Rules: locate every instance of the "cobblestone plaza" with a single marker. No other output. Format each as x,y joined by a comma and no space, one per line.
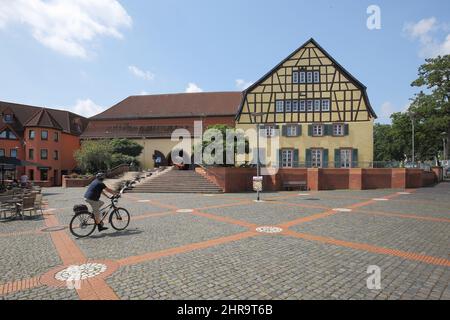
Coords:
308,245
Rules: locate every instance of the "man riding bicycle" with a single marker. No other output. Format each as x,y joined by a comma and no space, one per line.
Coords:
92,196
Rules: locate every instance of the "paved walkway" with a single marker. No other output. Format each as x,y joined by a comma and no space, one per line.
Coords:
315,245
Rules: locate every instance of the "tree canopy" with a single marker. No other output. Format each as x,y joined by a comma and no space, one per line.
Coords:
102,155
430,111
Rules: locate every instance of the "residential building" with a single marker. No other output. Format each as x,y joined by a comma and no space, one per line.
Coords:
322,112
44,136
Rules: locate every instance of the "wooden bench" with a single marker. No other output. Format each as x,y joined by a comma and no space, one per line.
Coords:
290,185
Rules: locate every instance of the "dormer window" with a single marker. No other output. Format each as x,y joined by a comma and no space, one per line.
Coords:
8,118
7,134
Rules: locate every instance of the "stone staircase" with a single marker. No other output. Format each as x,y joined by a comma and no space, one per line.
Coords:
174,181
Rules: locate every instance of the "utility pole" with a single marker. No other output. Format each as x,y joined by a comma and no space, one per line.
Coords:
411,116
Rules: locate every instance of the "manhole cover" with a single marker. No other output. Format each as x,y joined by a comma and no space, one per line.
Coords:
80,272
342,210
185,210
268,229
54,229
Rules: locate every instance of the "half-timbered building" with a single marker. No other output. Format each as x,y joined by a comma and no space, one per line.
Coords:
322,112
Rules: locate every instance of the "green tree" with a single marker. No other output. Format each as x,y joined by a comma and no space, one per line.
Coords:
431,107
386,144
94,156
126,147
238,143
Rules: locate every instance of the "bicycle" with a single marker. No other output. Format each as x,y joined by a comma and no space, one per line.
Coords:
83,224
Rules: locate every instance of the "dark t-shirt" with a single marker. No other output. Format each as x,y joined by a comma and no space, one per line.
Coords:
94,190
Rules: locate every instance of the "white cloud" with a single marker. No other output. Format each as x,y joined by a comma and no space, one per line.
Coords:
86,108
146,75
193,88
143,93
242,84
425,32
66,26
387,109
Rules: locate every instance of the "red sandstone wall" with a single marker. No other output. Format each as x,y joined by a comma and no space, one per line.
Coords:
376,178
332,179
240,179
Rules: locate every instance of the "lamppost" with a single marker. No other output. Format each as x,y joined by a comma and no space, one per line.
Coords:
445,145
258,165
411,116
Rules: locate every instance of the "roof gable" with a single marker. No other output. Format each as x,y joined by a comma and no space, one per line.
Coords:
310,42
43,119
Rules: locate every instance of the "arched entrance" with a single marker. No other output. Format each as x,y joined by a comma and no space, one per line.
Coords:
183,165
159,159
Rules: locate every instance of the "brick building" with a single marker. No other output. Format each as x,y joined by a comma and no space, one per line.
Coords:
44,136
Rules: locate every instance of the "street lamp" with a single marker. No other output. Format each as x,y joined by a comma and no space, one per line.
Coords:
258,166
445,145
411,116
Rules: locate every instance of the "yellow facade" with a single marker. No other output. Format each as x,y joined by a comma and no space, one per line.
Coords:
311,88
164,146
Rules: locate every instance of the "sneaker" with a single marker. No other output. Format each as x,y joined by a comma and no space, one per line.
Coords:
101,227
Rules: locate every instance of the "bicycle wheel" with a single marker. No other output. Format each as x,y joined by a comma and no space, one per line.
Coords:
119,219
82,225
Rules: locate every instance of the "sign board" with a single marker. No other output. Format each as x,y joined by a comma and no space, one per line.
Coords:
258,183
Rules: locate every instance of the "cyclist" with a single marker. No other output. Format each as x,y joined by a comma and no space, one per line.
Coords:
92,196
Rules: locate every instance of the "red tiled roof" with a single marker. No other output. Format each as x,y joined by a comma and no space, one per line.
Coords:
44,119
174,105
60,119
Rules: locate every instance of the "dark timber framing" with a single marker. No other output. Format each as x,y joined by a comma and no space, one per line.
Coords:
347,108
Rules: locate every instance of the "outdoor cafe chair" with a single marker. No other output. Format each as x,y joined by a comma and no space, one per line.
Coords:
38,203
27,204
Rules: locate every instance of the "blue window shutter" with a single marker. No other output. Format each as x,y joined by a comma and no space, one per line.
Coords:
325,158
310,130
299,130
328,130
295,162
346,129
280,158
308,158
355,158
337,158
284,131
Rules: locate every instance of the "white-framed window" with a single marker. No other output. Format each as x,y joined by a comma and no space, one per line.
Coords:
302,105
287,158
13,153
338,129
325,105
288,106
317,130
280,106
310,106
295,106
316,76
291,131
302,76
316,105
346,158
316,158
309,77
8,118
295,77
269,131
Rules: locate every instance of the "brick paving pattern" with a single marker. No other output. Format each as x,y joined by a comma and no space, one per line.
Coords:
214,251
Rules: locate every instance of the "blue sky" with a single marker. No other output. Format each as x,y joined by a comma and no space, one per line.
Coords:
86,56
